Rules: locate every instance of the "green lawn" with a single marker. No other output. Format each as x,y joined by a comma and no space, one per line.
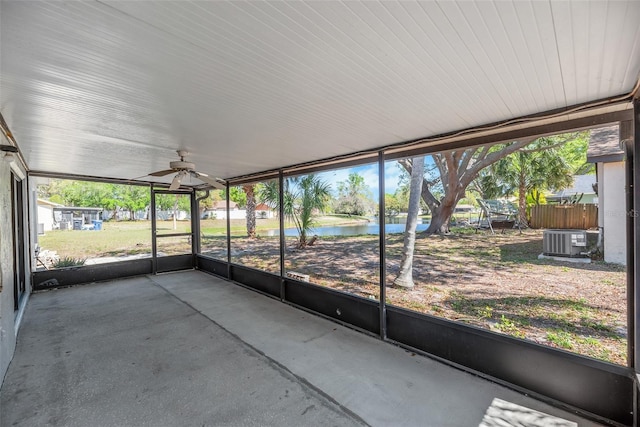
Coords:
120,238
491,281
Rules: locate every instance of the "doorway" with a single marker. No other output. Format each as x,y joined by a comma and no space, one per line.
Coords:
172,228
19,259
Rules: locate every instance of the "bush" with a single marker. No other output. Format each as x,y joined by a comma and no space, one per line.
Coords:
68,262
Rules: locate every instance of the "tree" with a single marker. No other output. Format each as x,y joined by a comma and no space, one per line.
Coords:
237,195
175,203
455,171
133,198
302,197
354,196
539,166
82,193
405,276
249,191
392,206
487,184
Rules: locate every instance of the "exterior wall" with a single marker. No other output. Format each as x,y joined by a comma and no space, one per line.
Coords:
233,214
601,195
9,318
265,214
45,217
612,202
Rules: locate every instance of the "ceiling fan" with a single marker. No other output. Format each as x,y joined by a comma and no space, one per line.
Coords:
184,168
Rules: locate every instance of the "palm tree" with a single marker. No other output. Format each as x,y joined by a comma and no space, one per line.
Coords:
535,168
249,190
302,197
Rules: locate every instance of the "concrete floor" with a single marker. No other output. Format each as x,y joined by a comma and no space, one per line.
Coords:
189,349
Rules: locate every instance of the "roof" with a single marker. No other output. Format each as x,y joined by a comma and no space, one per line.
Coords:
604,145
263,207
77,209
582,184
222,204
247,87
43,202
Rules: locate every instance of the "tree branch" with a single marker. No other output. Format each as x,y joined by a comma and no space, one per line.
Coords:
493,157
543,148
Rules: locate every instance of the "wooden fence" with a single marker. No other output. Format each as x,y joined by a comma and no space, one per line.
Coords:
578,216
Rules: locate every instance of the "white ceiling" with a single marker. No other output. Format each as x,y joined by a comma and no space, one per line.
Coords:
112,89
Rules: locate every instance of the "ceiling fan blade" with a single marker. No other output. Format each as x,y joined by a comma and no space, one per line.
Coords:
162,173
175,184
214,182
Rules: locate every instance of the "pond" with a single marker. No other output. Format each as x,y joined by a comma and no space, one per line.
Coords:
394,225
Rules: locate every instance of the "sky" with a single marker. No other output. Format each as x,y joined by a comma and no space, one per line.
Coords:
370,174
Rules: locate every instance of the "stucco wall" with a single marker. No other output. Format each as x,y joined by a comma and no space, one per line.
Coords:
7,330
613,205
9,318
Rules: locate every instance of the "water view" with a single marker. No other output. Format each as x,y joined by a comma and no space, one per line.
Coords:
393,225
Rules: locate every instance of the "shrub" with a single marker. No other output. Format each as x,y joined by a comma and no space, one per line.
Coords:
68,262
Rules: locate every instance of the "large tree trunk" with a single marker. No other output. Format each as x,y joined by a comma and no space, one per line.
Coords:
441,215
456,170
251,210
440,218
405,276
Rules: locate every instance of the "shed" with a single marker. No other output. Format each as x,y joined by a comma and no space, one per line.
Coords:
66,216
45,216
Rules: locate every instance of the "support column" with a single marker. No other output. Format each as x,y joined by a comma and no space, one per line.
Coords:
632,150
228,232
382,246
283,243
154,230
634,239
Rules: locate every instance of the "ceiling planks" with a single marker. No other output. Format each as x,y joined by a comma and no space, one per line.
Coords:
112,89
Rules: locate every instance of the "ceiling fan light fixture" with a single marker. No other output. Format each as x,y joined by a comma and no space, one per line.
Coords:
184,168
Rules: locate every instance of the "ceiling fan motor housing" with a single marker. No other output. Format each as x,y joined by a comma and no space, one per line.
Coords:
182,165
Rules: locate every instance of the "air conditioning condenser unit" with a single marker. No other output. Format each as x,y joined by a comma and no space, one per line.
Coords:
568,243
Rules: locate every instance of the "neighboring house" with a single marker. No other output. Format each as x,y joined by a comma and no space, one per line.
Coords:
46,220
604,150
264,211
582,188
219,211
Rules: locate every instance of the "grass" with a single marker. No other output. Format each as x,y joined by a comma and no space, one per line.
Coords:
571,324
562,339
116,239
121,238
491,281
